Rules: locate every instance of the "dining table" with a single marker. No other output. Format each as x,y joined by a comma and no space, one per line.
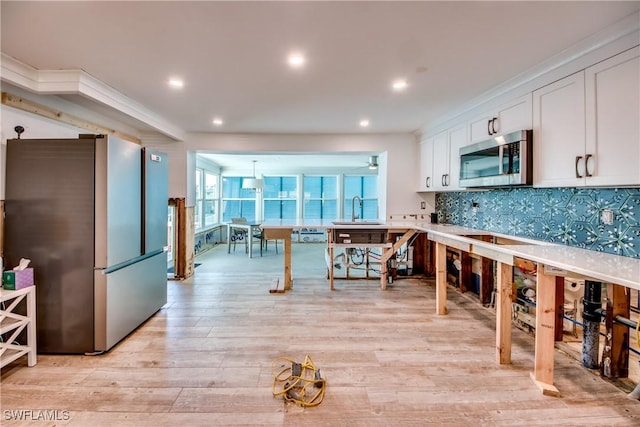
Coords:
251,229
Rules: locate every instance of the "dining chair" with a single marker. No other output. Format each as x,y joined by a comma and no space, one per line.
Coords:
239,233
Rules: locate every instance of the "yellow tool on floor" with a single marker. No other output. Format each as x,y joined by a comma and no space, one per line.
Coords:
300,383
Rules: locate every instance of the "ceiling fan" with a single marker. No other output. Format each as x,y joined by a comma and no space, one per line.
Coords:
371,164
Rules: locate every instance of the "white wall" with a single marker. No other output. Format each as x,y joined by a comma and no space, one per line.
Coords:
398,159
34,127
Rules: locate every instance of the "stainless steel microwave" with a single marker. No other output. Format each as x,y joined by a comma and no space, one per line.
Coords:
502,161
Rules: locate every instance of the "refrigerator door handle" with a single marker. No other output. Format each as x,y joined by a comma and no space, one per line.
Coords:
131,261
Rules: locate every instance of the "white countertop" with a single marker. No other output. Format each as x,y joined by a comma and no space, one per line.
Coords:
601,266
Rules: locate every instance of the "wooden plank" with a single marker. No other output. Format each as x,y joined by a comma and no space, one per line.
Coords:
441,278
288,280
465,272
545,332
184,263
387,254
503,313
277,286
41,110
1,228
486,281
283,234
451,242
490,252
330,249
559,329
278,233
616,355
486,277
397,245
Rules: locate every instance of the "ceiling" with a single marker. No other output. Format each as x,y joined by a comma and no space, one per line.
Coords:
232,55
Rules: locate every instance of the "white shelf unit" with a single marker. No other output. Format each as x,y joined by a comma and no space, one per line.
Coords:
12,324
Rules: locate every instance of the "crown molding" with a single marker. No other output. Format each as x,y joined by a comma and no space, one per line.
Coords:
79,82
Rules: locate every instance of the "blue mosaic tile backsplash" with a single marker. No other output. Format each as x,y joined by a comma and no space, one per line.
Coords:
569,216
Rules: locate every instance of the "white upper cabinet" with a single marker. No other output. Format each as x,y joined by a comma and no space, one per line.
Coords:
426,165
586,126
458,138
558,133
440,160
612,92
512,116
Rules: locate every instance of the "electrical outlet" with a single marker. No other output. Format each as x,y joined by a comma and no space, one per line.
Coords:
423,205
607,216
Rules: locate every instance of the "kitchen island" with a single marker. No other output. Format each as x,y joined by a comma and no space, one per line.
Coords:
553,262
342,234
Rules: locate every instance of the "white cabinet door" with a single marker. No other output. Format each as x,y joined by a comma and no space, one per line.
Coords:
480,127
612,90
512,116
426,165
559,133
440,161
457,139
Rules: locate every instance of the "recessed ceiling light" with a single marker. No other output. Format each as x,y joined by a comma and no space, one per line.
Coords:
217,121
364,123
296,60
399,84
176,83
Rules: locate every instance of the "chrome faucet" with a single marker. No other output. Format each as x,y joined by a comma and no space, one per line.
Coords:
354,216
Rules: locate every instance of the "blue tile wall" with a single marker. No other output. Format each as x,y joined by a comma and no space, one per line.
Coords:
569,216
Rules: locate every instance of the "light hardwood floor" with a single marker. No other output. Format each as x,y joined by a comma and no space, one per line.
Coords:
389,360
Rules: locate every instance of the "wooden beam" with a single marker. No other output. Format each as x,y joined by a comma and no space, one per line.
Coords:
559,331
615,363
503,313
1,228
545,326
384,271
465,272
41,110
441,278
184,240
486,281
486,278
397,245
285,235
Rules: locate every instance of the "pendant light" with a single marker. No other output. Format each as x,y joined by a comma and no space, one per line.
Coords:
253,183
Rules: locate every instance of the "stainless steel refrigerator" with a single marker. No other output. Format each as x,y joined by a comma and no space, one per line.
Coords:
91,214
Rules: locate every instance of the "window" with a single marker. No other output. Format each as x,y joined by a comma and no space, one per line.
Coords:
211,198
237,202
199,193
320,197
207,197
365,187
280,197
